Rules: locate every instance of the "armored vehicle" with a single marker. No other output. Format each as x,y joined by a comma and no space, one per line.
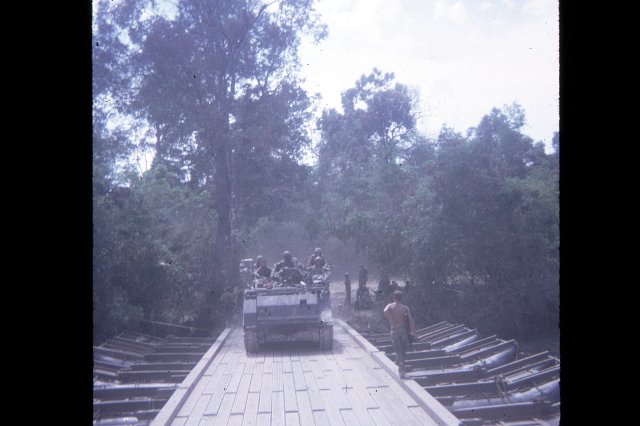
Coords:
291,305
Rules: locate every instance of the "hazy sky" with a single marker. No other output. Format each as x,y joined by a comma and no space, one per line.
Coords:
464,57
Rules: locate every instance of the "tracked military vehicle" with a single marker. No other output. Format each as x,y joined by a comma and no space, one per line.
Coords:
291,305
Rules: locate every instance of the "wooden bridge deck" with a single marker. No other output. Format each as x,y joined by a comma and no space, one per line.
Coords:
292,384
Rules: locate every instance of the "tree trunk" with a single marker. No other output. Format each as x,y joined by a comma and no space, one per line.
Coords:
225,256
223,253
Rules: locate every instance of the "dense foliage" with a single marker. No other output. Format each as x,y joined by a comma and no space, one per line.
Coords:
213,86
209,90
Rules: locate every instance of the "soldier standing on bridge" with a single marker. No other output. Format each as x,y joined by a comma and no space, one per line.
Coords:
402,327
363,276
383,288
347,289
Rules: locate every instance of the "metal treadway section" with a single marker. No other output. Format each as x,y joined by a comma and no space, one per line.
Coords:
135,374
480,379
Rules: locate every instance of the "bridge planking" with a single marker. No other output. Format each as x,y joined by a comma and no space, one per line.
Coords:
291,383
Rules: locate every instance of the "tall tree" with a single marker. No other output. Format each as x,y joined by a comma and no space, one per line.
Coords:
360,164
190,74
488,226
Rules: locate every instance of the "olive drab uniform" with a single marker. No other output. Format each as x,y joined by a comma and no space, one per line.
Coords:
363,276
284,263
263,271
317,260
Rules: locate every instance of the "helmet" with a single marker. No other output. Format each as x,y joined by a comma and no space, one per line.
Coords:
317,251
259,258
286,255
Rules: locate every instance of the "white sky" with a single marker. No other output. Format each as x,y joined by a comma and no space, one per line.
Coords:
464,57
